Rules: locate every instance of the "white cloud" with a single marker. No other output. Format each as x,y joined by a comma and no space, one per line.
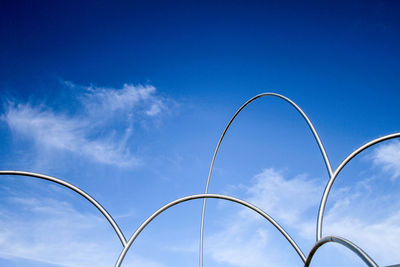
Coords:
100,130
54,232
379,237
247,240
155,108
125,99
293,203
361,214
286,199
388,157
237,247
367,213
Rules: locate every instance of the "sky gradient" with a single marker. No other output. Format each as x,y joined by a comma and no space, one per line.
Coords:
127,100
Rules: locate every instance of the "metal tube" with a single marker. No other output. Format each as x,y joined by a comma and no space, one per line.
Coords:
103,211
364,256
187,198
310,125
335,174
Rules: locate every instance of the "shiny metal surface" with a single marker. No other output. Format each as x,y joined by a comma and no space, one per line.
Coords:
103,211
364,256
320,240
335,174
310,125
192,197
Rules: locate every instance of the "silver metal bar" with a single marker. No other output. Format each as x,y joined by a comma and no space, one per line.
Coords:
364,256
310,125
187,198
103,211
335,174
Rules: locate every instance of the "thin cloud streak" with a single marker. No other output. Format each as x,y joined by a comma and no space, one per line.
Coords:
294,204
100,131
285,199
58,234
387,156
377,237
126,99
249,240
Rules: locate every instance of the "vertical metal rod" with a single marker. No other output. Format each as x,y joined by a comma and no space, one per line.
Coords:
187,198
310,125
364,256
103,211
335,174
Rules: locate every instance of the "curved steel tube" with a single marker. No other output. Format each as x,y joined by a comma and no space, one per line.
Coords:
310,125
364,256
187,198
77,190
337,171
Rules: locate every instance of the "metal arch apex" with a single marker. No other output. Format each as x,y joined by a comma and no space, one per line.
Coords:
363,255
310,125
204,196
329,185
103,211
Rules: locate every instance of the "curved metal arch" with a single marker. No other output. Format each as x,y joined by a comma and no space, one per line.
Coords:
364,256
337,171
310,125
192,197
103,211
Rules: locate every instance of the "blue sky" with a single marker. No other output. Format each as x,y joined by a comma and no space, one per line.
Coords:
127,100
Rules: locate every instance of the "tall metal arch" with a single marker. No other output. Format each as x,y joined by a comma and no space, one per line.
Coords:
310,125
320,241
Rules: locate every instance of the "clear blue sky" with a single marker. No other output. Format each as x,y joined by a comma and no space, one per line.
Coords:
127,100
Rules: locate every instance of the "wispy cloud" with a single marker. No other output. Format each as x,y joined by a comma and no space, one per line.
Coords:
237,246
58,233
388,156
293,202
129,98
286,199
246,240
100,129
378,236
